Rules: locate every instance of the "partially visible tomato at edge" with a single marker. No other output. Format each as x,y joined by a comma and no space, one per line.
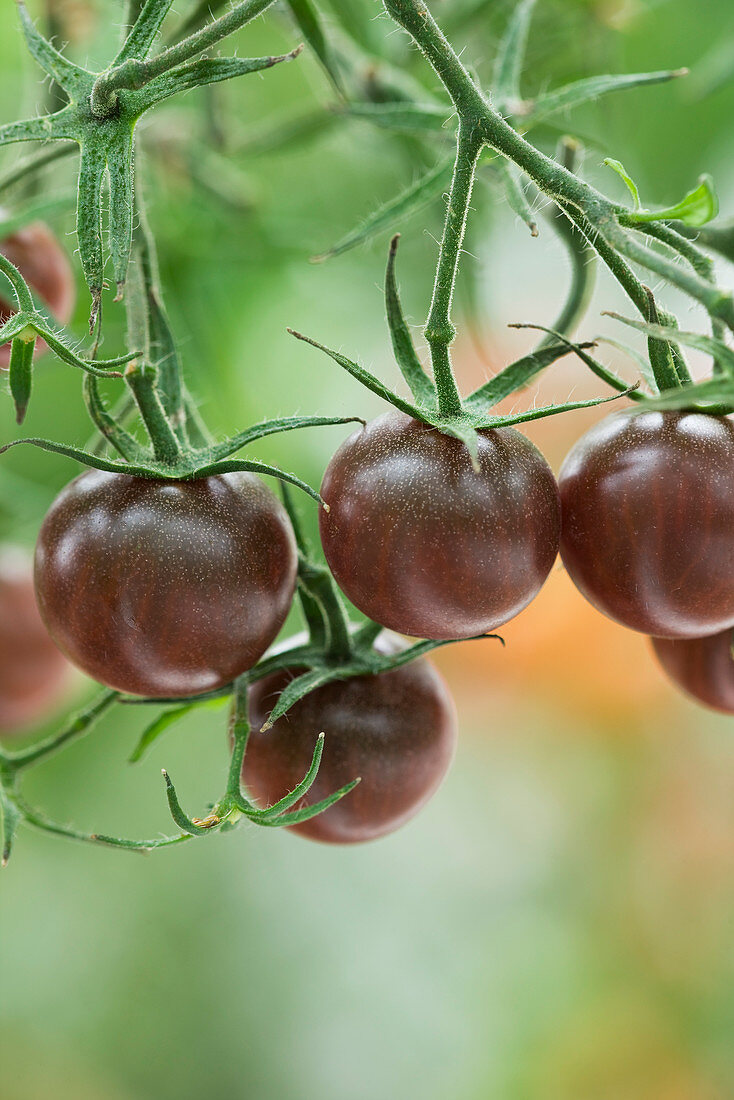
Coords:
165,588
45,267
648,521
427,546
33,673
702,667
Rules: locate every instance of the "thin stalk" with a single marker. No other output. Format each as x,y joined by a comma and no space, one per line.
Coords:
440,331
78,726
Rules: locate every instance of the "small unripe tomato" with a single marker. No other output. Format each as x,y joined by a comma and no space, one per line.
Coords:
648,521
45,267
165,588
33,672
426,545
702,667
395,731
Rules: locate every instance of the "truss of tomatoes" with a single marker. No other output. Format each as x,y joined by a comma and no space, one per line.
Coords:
172,587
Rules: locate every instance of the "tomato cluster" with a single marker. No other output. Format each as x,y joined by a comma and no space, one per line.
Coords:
173,588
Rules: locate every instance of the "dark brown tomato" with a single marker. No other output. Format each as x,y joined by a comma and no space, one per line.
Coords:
424,544
397,731
702,667
33,673
45,267
648,521
165,587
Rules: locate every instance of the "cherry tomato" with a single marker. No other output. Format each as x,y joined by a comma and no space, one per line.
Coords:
424,544
396,730
165,587
648,521
45,267
702,667
33,673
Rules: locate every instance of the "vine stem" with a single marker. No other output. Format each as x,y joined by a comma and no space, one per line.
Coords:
136,73
553,179
440,331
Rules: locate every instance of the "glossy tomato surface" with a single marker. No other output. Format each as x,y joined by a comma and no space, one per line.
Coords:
33,672
702,667
424,544
648,521
397,731
45,267
165,587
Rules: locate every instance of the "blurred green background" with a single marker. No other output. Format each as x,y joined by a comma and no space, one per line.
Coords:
557,924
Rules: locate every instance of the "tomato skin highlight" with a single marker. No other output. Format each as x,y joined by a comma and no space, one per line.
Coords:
33,673
702,667
426,546
648,521
45,267
165,587
397,731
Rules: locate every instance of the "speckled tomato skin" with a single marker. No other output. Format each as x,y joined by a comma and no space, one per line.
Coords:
45,267
702,667
397,731
427,546
648,521
165,588
33,673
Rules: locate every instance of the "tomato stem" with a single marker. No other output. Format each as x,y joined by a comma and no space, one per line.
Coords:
440,331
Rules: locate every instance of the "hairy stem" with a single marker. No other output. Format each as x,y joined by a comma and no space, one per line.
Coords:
440,331
136,74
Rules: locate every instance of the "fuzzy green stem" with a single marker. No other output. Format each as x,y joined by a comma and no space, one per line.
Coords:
440,331
136,74
142,382
552,178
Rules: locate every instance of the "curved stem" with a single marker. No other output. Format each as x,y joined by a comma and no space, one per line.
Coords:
440,331
552,178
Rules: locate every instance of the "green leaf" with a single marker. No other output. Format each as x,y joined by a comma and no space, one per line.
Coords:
518,374
299,688
299,791
411,118
708,344
272,427
21,374
591,88
421,386
516,197
142,36
70,77
120,172
714,395
424,191
510,57
364,376
298,816
553,410
209,70
164,722
619,168
309,23
699,206
695,209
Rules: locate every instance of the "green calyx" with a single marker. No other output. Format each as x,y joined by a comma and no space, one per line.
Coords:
103,110
467,416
